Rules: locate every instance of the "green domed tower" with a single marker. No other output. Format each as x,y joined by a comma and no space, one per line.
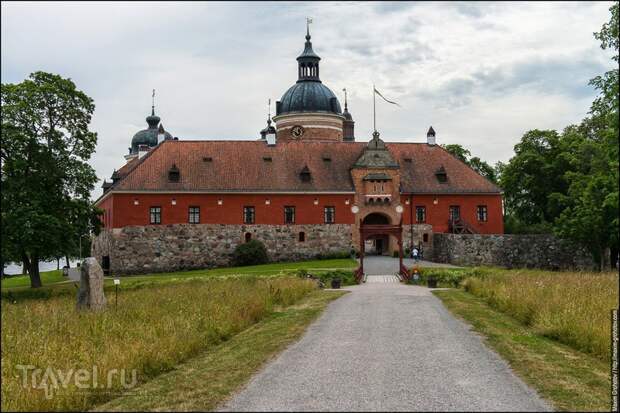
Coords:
150,136
309,110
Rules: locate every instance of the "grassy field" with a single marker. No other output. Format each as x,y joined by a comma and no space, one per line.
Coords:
570,379
152,331
571,307
207,380
314,266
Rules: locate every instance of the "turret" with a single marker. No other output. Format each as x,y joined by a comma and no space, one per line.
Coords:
430,136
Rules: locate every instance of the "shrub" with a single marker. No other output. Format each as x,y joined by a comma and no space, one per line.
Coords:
250,253
333,255
346,277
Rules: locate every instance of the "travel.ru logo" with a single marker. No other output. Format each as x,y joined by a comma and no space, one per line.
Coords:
50,380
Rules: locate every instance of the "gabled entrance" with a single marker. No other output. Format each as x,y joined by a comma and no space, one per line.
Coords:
377,225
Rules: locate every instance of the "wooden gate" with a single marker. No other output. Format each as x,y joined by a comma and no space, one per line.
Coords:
368,230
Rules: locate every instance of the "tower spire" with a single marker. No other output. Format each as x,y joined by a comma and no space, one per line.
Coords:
345,99
308,61
269,112
153,104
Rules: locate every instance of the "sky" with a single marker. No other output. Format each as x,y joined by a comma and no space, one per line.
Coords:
481,73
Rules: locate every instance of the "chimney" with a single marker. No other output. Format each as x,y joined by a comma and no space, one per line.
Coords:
430,136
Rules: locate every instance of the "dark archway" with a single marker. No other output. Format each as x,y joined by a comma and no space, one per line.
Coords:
376,219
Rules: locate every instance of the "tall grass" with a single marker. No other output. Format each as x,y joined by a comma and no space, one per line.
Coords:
153,329
571,307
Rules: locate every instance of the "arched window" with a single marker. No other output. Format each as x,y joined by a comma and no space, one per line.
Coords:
302,237
248,237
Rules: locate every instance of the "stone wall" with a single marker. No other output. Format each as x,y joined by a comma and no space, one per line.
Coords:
154,248
510,250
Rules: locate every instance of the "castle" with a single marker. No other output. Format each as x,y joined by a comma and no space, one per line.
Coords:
306,187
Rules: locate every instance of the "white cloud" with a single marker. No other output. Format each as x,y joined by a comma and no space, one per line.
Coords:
481,73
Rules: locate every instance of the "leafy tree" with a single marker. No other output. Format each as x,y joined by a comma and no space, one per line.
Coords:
568,182
535,171
46,181
591,215
475,163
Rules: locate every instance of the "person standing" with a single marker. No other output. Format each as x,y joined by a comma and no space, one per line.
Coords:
414,254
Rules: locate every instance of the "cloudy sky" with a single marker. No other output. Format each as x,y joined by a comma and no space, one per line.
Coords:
480,73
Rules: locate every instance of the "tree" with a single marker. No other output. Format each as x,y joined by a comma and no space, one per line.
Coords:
534,173
568,182
475,163
591,215
46,181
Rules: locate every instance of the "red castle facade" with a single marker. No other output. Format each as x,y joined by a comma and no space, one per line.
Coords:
305,171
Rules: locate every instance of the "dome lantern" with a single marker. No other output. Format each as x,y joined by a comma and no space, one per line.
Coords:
308,61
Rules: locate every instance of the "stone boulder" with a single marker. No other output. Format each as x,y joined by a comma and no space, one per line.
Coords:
90,295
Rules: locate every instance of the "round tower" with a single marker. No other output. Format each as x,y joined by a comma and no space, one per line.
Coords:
309,110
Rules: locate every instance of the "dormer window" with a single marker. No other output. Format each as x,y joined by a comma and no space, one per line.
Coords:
441,175
305,175
174,174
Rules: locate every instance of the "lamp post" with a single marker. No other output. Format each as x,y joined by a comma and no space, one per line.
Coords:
83,235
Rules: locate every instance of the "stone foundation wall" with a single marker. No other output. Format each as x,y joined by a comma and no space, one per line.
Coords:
418,231
143,249
510,250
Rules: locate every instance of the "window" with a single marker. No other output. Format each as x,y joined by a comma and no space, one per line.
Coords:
248,237
420,214
425,237
441,175
155,215
194,215
302,237
455,212
330,214
289,214
248,214
482,213
174,174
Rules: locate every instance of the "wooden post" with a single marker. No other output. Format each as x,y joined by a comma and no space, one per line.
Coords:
361,251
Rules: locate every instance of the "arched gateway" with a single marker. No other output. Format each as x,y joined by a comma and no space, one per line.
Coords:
376,225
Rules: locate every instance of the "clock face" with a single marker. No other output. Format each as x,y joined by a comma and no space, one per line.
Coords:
297,132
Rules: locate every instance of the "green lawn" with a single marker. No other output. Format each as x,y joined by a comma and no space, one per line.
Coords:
568,378
55,278
47,277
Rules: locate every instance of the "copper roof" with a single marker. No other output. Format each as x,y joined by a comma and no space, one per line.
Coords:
244,166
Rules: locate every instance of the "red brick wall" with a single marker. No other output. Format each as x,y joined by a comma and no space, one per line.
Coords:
121,211
231,210
437,215
107,217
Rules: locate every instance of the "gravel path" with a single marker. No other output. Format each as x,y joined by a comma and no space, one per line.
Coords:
379,265
387,346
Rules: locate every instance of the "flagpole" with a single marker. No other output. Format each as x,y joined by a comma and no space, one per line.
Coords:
374,108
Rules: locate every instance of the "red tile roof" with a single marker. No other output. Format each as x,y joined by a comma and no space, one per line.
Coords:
254,166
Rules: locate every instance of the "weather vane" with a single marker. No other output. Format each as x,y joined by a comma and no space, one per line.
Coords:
308,22
269,108
153,102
